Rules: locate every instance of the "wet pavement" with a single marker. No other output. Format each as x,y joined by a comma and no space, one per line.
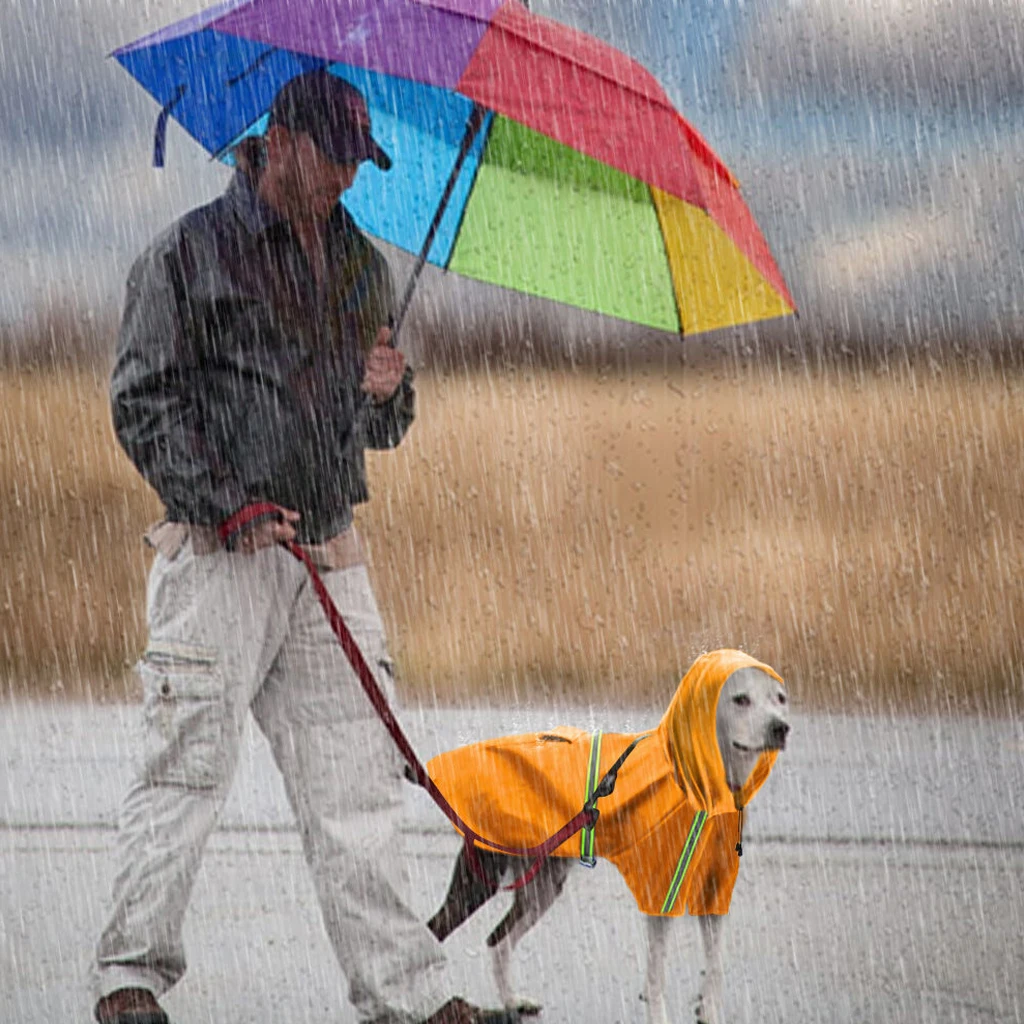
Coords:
881,881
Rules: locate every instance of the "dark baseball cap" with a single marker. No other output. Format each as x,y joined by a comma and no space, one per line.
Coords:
333,113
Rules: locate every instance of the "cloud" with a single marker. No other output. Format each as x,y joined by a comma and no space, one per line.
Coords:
965,55
866,254
70,228
58,90
76,142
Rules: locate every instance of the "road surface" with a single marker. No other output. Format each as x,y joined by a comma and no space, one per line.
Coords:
881,881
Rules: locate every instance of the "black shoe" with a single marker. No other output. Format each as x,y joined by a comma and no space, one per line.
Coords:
458,1011
130,1006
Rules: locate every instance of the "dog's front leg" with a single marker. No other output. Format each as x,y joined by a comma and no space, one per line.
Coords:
709,999
654,985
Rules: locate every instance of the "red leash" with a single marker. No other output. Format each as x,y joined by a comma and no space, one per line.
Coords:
587,818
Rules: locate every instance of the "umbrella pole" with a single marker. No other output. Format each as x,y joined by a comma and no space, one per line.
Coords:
473,125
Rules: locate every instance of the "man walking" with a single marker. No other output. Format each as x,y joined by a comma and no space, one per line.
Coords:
254,365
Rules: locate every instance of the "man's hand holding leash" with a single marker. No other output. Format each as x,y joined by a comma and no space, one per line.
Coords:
267,532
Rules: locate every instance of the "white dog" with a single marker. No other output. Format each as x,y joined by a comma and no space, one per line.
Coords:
712,751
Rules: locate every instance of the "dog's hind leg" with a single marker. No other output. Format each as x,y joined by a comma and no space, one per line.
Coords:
530,904
709,999
467,892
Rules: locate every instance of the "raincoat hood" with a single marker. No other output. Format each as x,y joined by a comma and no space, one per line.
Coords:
689,733
672,827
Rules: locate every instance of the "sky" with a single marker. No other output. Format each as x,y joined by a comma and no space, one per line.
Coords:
879,143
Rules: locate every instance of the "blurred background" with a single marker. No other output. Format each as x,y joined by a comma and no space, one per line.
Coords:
586,505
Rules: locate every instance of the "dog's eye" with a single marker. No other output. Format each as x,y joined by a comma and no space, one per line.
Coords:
782,698
741,700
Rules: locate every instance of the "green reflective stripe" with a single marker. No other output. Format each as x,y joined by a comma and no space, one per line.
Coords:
684,861
593,767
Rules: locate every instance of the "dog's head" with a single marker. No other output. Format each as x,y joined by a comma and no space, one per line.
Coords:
752,719
724,728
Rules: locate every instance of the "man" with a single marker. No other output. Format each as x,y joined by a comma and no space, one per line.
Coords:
254,365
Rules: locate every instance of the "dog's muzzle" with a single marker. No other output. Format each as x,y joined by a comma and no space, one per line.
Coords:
777,733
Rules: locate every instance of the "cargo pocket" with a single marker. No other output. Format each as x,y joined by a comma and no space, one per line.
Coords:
386,676
393,758
185,713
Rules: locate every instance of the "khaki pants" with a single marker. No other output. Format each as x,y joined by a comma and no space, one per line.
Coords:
230,633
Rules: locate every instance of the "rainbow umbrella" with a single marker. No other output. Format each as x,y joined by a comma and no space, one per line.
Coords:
526,154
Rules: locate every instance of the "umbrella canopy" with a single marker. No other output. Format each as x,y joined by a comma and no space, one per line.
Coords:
577,179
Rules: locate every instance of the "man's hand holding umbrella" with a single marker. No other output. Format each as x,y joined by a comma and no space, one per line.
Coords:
385,366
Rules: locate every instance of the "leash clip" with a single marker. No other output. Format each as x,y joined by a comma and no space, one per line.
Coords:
587,856
604,788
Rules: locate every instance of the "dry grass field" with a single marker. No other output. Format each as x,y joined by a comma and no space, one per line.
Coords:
544,534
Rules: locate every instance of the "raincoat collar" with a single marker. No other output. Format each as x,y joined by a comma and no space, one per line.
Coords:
256,214
259,216
688,732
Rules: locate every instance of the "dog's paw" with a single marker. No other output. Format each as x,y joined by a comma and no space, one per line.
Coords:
704,1015
525,1007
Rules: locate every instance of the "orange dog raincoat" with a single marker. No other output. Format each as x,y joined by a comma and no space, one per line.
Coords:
672,825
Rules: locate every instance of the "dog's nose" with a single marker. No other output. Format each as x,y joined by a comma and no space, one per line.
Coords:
777,733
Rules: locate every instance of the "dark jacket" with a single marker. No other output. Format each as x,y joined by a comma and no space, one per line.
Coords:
238,378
